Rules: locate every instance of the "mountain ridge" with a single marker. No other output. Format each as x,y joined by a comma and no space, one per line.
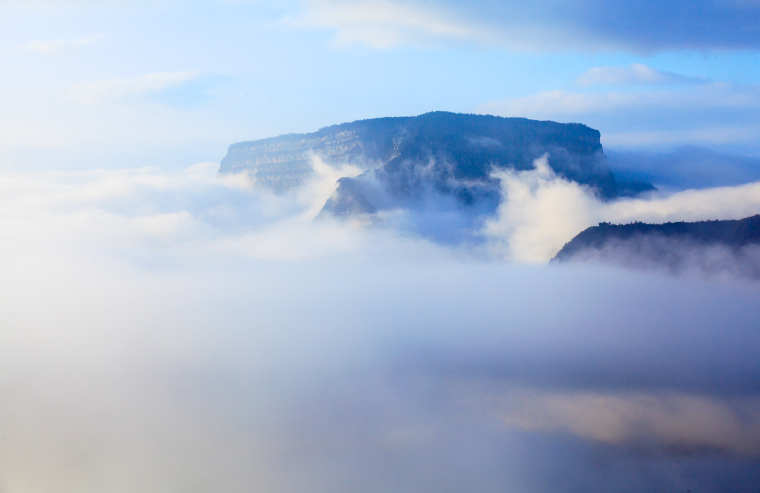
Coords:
712,246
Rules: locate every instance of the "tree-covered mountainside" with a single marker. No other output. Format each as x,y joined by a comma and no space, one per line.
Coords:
711,246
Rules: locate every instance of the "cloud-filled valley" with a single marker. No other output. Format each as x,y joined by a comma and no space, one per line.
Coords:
190,330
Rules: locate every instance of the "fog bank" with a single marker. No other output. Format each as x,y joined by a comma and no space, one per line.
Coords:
182,331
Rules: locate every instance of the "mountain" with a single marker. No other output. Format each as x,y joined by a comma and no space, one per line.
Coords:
684,167
437,159
712,246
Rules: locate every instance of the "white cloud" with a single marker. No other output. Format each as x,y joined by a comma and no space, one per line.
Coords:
556,102
384,23
544,25
125,87
78,124
635,73
709,134
166,331
541,211
676,420
709,112
55,46
565,103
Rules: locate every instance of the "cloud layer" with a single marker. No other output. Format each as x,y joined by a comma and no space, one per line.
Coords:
552,25
127,87
696,113
55,46
635,73
182,330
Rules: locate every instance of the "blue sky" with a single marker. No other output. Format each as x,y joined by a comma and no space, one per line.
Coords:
170,83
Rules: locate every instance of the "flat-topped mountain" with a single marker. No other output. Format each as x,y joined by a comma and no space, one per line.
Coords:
406,159
712,246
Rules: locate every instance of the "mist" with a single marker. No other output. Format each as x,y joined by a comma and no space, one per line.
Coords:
541,211
188,331
685,167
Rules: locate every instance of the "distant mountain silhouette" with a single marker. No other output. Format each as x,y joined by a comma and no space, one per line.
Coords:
438,159
713,246
684,167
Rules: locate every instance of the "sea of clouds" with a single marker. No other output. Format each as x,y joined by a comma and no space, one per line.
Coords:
189,331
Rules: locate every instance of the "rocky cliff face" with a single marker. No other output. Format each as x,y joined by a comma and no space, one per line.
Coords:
285,161
729,246
408,160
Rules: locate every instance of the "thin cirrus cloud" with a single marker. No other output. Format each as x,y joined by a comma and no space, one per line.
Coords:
562,102
383,24
57,46
546,24
129,87
680,114
635,73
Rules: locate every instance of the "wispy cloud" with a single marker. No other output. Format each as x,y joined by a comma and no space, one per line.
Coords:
562,102
708,112
383,23
55,46
126,87
636,73
542,25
